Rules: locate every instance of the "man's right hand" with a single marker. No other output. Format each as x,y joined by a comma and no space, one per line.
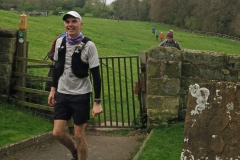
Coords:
51,100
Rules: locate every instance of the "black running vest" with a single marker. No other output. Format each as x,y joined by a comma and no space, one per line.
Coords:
79,68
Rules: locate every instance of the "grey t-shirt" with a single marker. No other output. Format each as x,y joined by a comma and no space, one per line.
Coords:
68,82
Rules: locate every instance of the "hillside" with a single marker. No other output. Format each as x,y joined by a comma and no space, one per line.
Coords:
111,37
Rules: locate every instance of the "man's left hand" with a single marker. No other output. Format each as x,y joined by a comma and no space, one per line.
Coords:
97,109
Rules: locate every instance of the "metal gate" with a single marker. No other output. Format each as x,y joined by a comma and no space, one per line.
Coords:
121,96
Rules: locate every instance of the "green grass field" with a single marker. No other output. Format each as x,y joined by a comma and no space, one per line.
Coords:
18,124
113,38
165,143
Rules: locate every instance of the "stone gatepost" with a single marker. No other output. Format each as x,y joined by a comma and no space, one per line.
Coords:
8,38
163,84
202,67
212,124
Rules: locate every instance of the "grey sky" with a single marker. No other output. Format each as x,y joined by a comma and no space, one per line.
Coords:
109,1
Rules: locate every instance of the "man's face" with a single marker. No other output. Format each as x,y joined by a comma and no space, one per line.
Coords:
169,39
73,26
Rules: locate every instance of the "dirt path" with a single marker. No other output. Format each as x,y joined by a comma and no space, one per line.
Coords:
102,146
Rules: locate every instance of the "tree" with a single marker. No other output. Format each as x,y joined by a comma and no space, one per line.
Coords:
159,11
80,3
68,4
56,10
20,7
43,5
89,6
97,7
235,25
81,11
144,10
28,7
116,8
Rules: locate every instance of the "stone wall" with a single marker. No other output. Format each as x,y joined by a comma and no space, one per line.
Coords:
170,72
8,38
163,84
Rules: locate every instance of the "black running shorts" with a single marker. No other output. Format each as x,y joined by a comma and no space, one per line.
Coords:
75,106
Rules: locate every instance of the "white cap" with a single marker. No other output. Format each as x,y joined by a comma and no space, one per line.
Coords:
72,13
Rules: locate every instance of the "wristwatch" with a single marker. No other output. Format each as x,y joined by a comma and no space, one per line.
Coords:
98,101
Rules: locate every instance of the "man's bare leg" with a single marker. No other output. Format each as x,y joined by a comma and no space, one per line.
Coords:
82,147
59,132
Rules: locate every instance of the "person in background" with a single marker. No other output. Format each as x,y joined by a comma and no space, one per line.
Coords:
153,30
170,42
156,34
171,31
71,86
161,36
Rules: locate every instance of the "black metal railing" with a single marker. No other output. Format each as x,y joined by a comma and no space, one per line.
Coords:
121,107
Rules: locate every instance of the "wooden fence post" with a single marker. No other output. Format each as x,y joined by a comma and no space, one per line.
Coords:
22,49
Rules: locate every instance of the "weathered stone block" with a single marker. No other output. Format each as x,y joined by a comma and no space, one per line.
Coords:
233,62
156,117
214,74
212,59
155,102
171,105
5,69
165,104
10,33
163,69
6,58
171,69
186,82
218,74
232,77
165,53
161,86
8,45
153,68
189,70
211,129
